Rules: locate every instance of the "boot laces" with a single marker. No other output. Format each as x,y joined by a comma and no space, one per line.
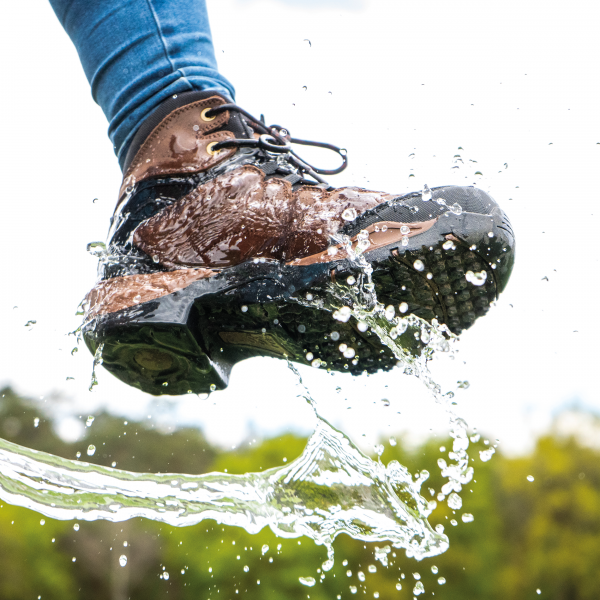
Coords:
277,140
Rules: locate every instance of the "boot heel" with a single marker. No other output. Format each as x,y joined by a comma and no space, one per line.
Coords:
152,347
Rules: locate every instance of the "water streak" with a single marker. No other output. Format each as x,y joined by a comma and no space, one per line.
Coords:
331,488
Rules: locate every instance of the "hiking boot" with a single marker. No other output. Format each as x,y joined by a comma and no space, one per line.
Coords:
226,245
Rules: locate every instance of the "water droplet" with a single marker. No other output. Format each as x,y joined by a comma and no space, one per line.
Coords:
404,240
42,522
419,588
491,234
137,298
352,589
477,279
351,280
89,421
454,501
316,363
97,249
390,312
486,455
91,449
362,244
342,314
538,591
264,549
76,527
441,201
372,569
165,575
349,353
454,522
309,297
361,576
362,326
434,570
246,568
349,214
426,193
448,245
398,586
335,336
439,528
213,387
467,518
403,307
418,265
456,208
393,441
530,478
414,209
244,308
441,580
302,328
309,356
404,229
307,581
36,422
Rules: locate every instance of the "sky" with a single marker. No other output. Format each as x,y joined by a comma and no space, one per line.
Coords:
401,85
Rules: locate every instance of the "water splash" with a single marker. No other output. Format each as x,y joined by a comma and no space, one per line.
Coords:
331,488
399,333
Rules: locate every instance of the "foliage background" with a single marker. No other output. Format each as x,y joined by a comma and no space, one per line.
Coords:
526,535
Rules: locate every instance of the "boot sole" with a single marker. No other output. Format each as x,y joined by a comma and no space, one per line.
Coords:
189,340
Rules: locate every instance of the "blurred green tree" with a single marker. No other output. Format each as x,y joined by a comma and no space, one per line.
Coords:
526,535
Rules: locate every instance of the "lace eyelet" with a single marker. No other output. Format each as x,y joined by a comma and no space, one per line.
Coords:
204,116
209,149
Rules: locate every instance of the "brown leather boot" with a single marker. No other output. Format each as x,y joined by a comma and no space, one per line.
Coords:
225,245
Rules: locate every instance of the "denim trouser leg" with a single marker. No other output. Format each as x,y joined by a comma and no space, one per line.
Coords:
136,53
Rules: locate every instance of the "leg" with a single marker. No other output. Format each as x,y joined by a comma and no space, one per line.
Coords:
137,53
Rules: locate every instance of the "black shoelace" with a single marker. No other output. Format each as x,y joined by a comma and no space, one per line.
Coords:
277,140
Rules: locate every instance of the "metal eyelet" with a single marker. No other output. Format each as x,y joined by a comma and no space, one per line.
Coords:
204,117
209,149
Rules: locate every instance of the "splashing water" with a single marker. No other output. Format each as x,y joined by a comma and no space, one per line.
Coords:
331,488
397,333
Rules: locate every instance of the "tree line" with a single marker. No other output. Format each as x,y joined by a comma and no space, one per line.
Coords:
535,533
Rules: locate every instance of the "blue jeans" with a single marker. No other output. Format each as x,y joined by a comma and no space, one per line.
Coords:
137,53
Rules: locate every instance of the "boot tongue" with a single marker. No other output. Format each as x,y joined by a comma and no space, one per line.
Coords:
238,126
